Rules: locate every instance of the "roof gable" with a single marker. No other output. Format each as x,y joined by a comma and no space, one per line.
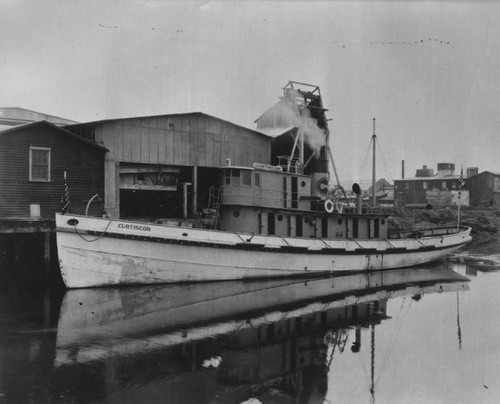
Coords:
103,121
55,128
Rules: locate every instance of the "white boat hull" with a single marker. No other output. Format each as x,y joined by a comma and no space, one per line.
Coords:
102,252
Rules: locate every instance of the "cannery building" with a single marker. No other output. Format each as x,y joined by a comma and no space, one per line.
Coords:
164,166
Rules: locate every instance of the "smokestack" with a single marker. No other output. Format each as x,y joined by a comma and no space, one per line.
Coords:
402,169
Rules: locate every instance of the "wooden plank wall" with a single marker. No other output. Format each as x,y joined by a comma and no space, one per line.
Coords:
83,163
184,140
484,189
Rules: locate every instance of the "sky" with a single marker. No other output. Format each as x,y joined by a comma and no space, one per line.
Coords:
429,72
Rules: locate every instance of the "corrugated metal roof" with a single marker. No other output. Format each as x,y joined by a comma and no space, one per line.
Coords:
168,115
19,116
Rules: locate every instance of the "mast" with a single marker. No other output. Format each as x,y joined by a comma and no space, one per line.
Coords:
374,139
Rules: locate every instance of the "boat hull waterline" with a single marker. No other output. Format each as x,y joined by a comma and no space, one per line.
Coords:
102,252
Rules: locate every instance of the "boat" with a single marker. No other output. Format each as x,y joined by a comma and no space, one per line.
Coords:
289,218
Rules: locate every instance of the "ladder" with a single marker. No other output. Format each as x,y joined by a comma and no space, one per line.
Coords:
211,213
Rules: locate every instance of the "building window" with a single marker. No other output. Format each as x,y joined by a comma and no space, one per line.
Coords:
407,186
443,185
40,164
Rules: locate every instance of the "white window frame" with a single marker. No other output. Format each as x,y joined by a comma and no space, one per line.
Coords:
48,149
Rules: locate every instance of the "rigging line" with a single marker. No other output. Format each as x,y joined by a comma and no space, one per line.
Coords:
384,161
397,329
362,361
365,159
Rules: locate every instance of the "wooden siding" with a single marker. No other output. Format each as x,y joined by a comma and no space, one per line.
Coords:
83,163
484,189
183,140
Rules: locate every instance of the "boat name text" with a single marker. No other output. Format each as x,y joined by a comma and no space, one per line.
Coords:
133,227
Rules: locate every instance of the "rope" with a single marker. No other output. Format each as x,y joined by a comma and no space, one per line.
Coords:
95,239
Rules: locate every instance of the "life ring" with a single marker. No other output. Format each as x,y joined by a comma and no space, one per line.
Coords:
329,206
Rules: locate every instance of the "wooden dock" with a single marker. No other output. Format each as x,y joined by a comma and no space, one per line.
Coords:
14,229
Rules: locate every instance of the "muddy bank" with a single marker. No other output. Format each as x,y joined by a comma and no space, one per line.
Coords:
485,223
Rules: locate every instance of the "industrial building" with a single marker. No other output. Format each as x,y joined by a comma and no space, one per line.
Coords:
164,166
426,188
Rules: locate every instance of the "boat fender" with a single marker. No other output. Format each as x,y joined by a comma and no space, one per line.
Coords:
329,206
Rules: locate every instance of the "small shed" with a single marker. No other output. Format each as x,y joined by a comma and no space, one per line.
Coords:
484,189
33,160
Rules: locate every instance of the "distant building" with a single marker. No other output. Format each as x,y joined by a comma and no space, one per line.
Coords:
14,116
33,159
484,189
439,190
472,171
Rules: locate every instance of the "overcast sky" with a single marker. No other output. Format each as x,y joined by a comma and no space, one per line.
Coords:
428,71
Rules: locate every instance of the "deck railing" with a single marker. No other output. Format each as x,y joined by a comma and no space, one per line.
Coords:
417,233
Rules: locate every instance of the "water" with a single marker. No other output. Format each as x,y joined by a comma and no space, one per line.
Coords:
426,335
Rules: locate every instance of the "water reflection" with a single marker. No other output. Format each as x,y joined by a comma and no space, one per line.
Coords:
272,341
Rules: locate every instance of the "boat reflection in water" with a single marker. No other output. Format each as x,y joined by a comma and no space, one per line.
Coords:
241,341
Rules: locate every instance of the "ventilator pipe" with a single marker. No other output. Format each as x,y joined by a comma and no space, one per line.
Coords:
359,198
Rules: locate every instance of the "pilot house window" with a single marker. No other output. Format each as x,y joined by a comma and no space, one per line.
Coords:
235,177
40,164
246,178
